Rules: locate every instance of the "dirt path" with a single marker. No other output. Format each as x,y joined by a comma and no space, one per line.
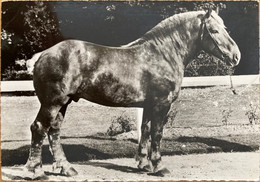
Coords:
217,166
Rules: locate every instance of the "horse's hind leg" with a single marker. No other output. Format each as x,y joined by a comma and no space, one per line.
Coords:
39,129
60,163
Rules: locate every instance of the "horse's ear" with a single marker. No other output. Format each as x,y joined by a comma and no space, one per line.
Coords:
208,14
217,10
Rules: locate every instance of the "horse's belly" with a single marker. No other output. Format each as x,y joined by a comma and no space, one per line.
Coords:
111,91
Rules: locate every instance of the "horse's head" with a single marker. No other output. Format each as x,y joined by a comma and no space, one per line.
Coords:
216,40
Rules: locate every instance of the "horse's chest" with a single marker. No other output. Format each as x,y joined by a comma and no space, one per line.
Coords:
167,72
164,79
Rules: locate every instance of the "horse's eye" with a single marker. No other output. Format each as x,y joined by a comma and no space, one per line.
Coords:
213,31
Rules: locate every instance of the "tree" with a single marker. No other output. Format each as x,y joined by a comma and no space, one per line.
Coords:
40,26
27,28
30,27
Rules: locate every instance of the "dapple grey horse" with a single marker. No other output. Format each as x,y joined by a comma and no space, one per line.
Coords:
146,73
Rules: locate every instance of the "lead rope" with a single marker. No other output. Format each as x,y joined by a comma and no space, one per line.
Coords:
241,90
232,87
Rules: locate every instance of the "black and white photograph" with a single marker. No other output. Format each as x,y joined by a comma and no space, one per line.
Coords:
130,90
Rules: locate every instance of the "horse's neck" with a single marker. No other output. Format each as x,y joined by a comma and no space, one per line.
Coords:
182,44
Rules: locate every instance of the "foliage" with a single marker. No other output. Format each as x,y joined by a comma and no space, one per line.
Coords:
12,74
206,65
40,26
17,71
226,113
27,28
32,26
120,125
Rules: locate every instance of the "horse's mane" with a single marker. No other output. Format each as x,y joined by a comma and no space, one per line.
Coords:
165,27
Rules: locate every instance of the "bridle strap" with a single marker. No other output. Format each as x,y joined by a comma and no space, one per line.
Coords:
203,28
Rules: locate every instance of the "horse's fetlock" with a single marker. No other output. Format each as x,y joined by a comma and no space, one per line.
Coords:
145,164
33,164
155,156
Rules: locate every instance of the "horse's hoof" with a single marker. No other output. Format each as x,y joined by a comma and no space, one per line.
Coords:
145,168
69,172
64,168
34,174
162,172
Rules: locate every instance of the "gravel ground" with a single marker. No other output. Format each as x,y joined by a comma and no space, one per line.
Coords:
218,166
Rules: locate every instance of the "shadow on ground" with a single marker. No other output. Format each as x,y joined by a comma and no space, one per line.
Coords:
225,146
98,148
116,167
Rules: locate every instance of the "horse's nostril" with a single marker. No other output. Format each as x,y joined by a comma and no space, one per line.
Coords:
236,57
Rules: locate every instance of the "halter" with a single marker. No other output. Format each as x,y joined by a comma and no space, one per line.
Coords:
203,28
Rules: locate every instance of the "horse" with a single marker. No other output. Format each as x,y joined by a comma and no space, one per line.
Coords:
146,73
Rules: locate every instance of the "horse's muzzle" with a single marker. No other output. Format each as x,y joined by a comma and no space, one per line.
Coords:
236,59
233,61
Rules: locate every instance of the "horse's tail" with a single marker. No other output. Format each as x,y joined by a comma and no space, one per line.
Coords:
30,62
139,123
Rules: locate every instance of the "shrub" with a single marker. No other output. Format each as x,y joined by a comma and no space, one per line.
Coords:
226,113
253,114
206,65
16,72
120,125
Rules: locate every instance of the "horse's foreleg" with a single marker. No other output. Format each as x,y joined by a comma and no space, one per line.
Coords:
39,129
143,152
60,163
144,163
157,125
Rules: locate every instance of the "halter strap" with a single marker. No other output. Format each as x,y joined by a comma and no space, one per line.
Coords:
204,27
